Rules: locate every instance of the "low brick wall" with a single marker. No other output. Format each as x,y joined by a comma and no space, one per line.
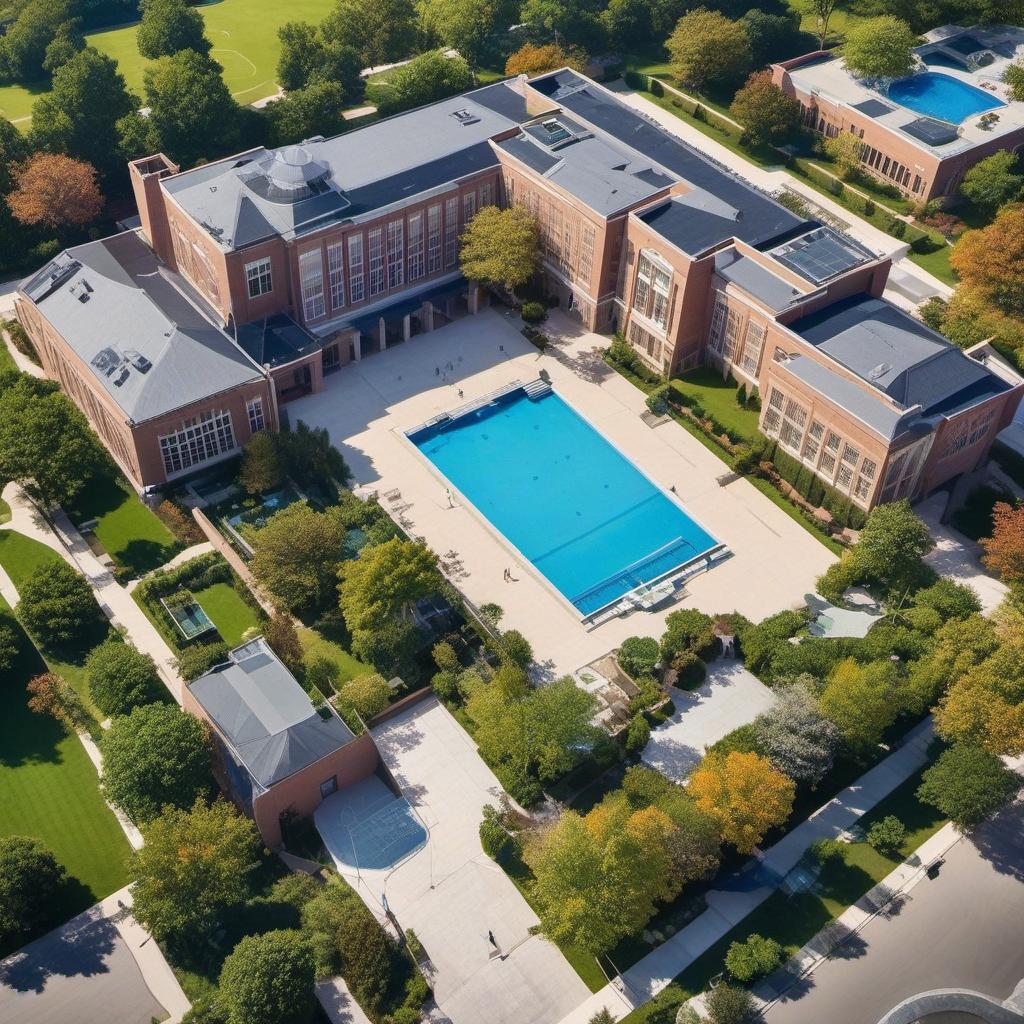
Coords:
232,557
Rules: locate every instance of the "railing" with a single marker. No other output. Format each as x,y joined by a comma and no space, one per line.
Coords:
464,410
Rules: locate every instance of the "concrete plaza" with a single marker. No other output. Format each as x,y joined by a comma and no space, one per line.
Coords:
368,407
447,890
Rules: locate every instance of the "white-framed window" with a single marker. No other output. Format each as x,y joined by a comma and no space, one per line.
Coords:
716,336
851,455
468,207
197,440
791,433
258,278
434,238
845,477
773,413
486,194
415,245
752,345
645,341
311,278
650,298
585,267
336,274
813,442
451,232
375,245
356,289
257,421
396,253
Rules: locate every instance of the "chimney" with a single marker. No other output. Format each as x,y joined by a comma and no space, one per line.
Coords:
146,175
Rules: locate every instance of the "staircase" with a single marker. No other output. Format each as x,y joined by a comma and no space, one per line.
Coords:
537,389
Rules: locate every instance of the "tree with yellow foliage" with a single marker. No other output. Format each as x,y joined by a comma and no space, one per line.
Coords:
744,793
862,700
535,60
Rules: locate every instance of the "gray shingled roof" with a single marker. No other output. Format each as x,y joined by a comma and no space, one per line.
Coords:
265,715
139,327
774,291
860,402
897,354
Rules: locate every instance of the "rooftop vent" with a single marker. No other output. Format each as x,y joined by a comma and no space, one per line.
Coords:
138,360
465,117
121,377
879,371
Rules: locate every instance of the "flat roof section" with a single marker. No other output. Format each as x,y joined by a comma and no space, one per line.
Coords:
931,132
775,292
822,254
276,340
873,108
144,333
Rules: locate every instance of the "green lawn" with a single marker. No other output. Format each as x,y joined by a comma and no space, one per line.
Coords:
244,38
794,920
230,613
5,511
48,789
316,645
6,359
130,533
718,397
838,24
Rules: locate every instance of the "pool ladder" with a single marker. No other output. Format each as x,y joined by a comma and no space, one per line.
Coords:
537,388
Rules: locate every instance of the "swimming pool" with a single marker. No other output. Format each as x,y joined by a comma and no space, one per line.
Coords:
571,503
937,95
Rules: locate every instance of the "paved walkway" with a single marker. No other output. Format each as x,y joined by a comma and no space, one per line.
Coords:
100,967
771,180
730,697
202,548
749,888
117,603
338,1003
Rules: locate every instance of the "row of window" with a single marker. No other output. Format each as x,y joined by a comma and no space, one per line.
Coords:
729,339
402,251
646,342
836,461
651,294
567,240
198,440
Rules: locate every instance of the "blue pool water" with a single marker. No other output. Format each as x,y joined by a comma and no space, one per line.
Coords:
937,95
584,515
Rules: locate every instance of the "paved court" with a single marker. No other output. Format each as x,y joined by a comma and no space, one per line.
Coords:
368,407
729,697
367,826
451,894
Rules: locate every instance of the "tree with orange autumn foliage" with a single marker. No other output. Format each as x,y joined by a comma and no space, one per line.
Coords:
55,191
1004,550
744,793
991,260
535,60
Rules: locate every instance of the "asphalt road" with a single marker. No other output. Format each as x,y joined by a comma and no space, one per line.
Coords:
964,929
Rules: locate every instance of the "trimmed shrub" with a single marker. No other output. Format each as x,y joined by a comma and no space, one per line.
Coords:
887,835
494,838
825,851
690,670
728,1004
754,958
122,678
742,740
369,695
533,312
445,657
198,659
637,735
688,631
57,605
638,656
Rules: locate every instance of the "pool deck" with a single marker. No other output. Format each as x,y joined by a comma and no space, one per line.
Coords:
368,406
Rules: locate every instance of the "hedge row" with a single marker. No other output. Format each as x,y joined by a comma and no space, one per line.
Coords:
811,489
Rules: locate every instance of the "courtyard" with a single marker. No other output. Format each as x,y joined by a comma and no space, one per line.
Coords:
370,406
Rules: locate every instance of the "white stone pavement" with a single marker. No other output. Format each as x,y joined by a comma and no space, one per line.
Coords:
773,180
728,906
204,547
339,1004
368,408
117,603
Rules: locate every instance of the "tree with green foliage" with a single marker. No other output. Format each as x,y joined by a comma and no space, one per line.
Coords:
390,647
744,793
14,150
79,116
261,468
887,834
66,42
269,977
9,643
985,705
384,581
891,548
46,445
994,181
628,23
1013,76
638,655
579,24
753,958
881,47
760,643
122,678
280,633
154,758
599,877
957,647
425,79
192,113
169,26
297,554
464,25
31,880
515,649
796,736
687,632
315,110
57,605
192,869
380,31
822,11
24,44
367,959
950,599
767,114
308,58
369,695
495,839
862,701
707,48
310,459
772,36
845,151
501,247
968,784
638,735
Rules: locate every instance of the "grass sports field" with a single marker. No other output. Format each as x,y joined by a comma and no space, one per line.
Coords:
244,38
